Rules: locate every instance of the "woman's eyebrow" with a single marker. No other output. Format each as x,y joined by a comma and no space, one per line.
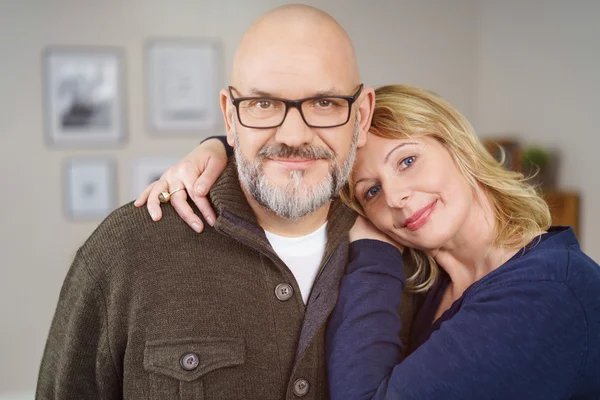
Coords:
359,181
385,160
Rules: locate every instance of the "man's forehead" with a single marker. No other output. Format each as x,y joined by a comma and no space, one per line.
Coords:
297,68
296,79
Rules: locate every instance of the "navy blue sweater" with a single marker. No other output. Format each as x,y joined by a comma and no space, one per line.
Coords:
528,330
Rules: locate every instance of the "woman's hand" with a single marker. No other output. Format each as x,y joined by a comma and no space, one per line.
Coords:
364,229
197,172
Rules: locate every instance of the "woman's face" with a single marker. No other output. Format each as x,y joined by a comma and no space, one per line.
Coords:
412,190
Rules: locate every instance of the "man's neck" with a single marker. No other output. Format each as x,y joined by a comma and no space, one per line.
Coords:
273,223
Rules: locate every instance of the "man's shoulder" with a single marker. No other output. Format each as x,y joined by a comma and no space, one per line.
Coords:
128,225
129,239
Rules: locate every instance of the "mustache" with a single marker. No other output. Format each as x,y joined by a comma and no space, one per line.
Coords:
280,150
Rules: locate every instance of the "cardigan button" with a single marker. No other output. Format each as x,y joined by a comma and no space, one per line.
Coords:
189,361
301,387
284,291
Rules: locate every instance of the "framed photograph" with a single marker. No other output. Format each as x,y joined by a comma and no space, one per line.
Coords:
84,96
512,151
90,188
184,80
149,169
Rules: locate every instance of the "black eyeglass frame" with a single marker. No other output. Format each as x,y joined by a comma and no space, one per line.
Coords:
294,104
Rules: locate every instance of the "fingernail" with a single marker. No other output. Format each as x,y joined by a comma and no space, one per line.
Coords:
201,189
153,215
210,221
196,227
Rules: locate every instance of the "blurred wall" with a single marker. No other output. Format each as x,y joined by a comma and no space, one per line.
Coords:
538,79
428,43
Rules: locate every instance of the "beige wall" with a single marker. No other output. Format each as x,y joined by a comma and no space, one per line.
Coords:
429,43
538,78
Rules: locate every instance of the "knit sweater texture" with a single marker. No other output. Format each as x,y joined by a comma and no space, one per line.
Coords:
142,299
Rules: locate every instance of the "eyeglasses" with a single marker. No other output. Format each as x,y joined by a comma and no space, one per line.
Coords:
317,112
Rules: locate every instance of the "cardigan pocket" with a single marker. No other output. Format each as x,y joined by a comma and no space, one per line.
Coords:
179,367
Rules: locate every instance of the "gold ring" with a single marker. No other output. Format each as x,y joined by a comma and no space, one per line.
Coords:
165,196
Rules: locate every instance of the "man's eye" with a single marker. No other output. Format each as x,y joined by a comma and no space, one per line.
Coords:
325,103
263,105
372,192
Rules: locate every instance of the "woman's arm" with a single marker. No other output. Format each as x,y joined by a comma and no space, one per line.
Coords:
196,172
367,307
510,340
363,336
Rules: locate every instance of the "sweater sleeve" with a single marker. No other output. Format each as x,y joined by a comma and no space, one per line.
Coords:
511,340
77,362
363,335
223,140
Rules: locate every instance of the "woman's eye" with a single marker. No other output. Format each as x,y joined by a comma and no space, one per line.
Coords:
372,192
407,162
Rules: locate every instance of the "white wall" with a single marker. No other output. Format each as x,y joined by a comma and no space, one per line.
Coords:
429,43
538,77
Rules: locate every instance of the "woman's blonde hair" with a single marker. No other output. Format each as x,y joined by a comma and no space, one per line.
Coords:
404,111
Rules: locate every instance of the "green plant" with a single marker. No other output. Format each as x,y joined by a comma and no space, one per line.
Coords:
536,156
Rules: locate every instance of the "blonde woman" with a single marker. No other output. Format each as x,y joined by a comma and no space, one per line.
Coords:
510,306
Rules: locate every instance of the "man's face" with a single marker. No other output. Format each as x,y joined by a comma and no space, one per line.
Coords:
293,169
296,198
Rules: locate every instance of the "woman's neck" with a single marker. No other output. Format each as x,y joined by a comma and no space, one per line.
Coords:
472,253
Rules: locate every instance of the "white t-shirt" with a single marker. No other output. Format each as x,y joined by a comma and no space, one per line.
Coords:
302,255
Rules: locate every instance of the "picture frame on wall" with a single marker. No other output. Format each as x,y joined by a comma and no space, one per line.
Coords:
84,96
184,80
90,188
147,170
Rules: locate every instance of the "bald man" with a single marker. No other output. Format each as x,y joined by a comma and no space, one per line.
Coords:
155,311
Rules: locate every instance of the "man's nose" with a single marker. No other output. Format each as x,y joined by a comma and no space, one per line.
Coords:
294,132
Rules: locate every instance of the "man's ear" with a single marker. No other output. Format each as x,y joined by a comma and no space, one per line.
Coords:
366,106
228,111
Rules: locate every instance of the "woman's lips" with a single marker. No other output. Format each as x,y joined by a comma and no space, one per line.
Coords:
420,218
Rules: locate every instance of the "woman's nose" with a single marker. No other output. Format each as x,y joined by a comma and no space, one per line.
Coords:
396,197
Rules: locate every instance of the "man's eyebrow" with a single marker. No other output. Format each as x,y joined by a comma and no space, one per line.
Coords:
260,93
330,92
319,93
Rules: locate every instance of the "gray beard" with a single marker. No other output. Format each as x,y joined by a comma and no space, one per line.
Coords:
296,199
